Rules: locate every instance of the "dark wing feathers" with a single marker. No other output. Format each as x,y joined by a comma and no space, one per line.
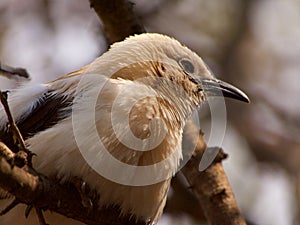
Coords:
48,111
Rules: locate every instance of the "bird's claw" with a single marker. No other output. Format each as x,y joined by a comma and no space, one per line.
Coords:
28,210
12,205
83,190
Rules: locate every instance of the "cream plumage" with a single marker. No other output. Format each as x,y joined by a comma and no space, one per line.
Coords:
132,103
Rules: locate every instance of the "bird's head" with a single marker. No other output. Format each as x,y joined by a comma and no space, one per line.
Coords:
157,56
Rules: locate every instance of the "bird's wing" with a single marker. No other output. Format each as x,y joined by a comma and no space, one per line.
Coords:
34,112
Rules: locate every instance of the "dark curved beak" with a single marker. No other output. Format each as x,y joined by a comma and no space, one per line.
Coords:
214,87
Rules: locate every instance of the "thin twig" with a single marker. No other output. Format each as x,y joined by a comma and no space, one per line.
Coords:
14,128
11,72
12,124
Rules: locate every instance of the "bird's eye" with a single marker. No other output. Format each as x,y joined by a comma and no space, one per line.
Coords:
187,65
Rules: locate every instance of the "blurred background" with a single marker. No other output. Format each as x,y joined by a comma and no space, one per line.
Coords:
253,44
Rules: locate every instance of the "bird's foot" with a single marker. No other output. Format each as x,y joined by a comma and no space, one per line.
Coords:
28,209
84,192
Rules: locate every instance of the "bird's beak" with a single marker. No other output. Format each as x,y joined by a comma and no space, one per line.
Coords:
214,87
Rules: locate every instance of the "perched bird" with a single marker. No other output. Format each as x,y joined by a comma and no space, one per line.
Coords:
117,123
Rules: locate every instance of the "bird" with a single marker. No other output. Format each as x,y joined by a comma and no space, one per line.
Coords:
117,123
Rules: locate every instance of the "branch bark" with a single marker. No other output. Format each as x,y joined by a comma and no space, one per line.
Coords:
211,186
35,189
118,18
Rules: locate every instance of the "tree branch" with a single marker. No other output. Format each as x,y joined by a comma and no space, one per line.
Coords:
118,18
11,72
211,186
46,194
